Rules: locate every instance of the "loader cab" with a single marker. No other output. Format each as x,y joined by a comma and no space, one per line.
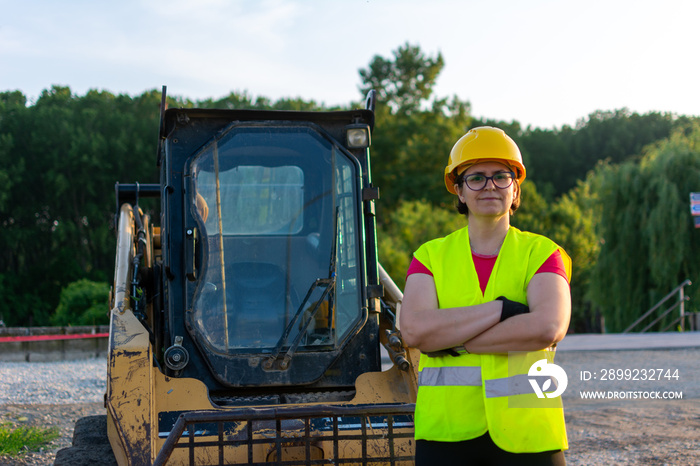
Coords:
269,257
282,217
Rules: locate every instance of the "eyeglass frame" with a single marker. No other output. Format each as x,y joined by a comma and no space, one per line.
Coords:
463,179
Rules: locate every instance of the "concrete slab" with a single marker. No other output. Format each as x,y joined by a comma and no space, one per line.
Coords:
629,341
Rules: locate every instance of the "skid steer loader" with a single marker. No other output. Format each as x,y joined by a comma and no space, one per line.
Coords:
247,317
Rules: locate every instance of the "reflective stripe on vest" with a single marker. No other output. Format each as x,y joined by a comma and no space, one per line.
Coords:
515,385
450,376
471,377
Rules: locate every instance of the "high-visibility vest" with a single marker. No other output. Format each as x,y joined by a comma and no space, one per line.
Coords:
463,397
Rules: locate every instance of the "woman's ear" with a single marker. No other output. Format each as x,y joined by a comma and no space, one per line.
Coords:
459,193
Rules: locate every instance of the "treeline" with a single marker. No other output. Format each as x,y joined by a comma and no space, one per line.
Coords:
613,190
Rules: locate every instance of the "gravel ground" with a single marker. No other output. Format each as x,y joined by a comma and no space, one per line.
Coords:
81,381
632,431
50,394
623,431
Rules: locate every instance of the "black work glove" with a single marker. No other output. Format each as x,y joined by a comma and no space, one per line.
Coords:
511,308
447,352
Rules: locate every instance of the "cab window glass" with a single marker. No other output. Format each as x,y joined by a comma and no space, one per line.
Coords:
255,200
279,227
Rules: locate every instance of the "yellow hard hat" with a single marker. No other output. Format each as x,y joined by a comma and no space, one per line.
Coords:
483,144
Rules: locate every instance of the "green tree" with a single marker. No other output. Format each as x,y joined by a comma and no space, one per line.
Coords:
14,176
649,245
570,222
67,152
405,82
557,160
415,131
12,111
83,302
408,226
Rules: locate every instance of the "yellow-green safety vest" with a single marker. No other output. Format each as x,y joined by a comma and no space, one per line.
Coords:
463,397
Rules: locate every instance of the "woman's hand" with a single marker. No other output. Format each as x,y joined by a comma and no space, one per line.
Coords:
549,300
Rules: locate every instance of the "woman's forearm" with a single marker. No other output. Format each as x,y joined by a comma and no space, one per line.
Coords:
547,322
428,328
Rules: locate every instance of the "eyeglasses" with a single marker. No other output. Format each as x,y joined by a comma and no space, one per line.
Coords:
477,181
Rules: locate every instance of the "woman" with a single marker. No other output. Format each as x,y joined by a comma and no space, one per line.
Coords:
482,304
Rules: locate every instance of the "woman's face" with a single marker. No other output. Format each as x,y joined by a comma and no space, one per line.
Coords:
490,201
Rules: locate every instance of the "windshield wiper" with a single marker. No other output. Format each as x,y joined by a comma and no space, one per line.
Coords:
277,362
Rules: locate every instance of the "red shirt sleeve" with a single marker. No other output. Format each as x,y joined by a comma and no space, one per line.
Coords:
554,264
417,267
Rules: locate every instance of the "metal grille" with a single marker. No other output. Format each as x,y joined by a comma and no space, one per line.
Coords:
377,429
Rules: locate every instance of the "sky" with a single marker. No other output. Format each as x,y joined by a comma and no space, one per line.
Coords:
543,63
